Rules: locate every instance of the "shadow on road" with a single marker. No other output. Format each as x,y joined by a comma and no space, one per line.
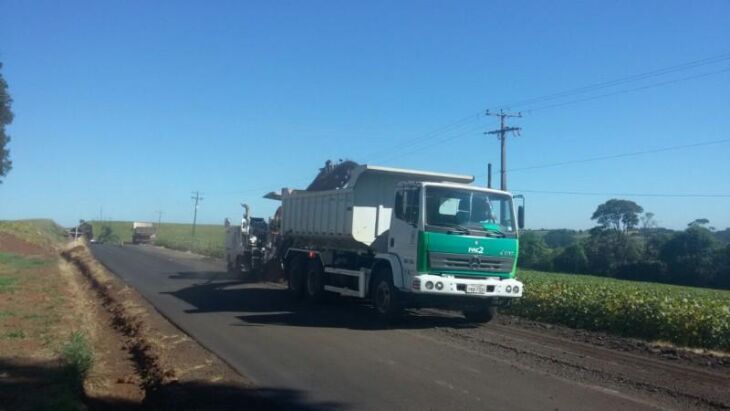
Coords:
33,385
267,303
213,276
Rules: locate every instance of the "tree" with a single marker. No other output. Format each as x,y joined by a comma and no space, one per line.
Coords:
6,117
620,215
572,260
559,238
608,249
691,256
700,222
533,251
722,261
723,235
107,235
647,221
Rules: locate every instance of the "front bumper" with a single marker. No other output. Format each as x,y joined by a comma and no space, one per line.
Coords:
428,284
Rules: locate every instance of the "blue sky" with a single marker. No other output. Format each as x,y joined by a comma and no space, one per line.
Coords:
127,107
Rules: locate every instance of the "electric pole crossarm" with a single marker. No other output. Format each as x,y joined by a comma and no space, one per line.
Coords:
505,130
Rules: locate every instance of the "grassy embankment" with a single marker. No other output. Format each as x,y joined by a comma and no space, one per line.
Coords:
44,350
208,240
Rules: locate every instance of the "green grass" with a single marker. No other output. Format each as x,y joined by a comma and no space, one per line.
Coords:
15,334
208,240
687,316
29,322
20,262
7,284
40,231
6,314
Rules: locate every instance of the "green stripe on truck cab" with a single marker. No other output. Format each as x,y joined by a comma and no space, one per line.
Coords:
466,245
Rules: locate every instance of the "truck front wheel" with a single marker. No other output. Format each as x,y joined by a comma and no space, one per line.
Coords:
295,277
481,314
385,296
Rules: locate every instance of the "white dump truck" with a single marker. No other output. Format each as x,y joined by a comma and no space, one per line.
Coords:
403,238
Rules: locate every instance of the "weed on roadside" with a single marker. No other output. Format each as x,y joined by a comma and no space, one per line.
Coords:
77,355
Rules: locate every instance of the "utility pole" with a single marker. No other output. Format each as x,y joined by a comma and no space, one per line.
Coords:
489,175
196,196
502,133
159,221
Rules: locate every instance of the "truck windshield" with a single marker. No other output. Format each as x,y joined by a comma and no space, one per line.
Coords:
468,210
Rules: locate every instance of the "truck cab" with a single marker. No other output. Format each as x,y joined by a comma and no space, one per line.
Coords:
455,240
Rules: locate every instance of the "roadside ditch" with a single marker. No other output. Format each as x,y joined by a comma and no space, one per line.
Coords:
171,369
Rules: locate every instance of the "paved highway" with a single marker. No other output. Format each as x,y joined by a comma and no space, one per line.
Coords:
342,358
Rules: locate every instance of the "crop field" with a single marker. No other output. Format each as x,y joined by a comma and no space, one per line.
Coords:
687,316
208,239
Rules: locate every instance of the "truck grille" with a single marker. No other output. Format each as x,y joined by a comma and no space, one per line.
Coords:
470,262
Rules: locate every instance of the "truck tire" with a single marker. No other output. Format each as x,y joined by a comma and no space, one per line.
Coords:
480,315
295,277
314,282
386,299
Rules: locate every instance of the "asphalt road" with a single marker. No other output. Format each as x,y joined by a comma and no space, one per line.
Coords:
340,357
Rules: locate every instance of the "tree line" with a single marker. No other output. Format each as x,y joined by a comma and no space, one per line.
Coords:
628,244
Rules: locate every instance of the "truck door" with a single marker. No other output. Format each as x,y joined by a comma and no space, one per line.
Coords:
403,237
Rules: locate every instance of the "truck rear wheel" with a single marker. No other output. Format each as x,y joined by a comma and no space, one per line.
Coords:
385,296
314,286
480,315
295,277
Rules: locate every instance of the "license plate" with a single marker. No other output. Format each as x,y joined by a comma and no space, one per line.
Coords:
475,289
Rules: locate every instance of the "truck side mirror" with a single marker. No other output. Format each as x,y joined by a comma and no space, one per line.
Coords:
521,217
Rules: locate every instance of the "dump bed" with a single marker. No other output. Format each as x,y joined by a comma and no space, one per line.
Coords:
356,216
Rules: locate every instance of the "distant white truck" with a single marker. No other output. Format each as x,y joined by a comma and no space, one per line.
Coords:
403,238
143,233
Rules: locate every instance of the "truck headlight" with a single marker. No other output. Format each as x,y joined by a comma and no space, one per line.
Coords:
508,288
429,285
252,239
516,289
439,285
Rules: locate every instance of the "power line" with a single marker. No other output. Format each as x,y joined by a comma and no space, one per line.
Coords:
614,93
453,126
622,155
583,193
584,89
619,81
444,140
